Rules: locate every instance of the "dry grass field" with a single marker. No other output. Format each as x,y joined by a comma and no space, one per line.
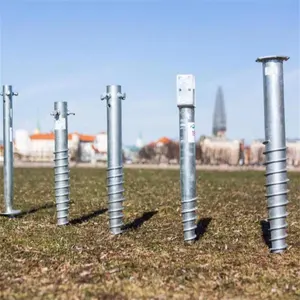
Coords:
229,260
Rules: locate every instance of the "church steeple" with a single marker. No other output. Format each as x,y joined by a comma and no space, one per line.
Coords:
38,126
219,115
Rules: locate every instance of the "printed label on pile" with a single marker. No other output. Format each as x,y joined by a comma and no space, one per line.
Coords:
191,132
60,124
10,134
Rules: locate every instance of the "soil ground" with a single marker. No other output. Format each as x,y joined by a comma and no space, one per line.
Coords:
229,260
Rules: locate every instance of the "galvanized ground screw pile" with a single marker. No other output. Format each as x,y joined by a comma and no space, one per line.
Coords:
275,150
61,162
115,177
8,167
186,104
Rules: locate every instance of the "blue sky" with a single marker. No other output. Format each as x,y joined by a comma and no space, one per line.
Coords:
70,50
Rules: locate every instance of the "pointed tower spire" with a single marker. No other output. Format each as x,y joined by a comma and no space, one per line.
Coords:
219,116
38,126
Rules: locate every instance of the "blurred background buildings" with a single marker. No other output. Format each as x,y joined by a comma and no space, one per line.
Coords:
212,150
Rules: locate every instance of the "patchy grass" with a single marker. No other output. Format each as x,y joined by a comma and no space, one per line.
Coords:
230,260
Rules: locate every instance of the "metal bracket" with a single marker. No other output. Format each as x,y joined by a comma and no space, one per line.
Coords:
10,94
105,96
55,113
121,96
70,113
185,90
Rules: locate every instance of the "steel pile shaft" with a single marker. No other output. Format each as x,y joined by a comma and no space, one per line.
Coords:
8,168
61,163
187,173
275,151
115,176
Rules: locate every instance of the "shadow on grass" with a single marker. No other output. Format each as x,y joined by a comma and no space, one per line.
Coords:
35,209
266,235
87,217
202,225
138,222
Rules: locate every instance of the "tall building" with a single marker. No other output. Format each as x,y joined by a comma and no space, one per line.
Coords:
219,115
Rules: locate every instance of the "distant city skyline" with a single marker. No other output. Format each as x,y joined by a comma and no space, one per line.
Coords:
70,51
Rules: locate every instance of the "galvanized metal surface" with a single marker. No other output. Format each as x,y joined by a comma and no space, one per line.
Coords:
115,176
186,104
61,162
8,168
275,150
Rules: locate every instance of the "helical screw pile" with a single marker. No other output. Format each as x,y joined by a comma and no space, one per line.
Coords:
276,186
115,198
61,163
62,185
115,176
8,159
275,150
